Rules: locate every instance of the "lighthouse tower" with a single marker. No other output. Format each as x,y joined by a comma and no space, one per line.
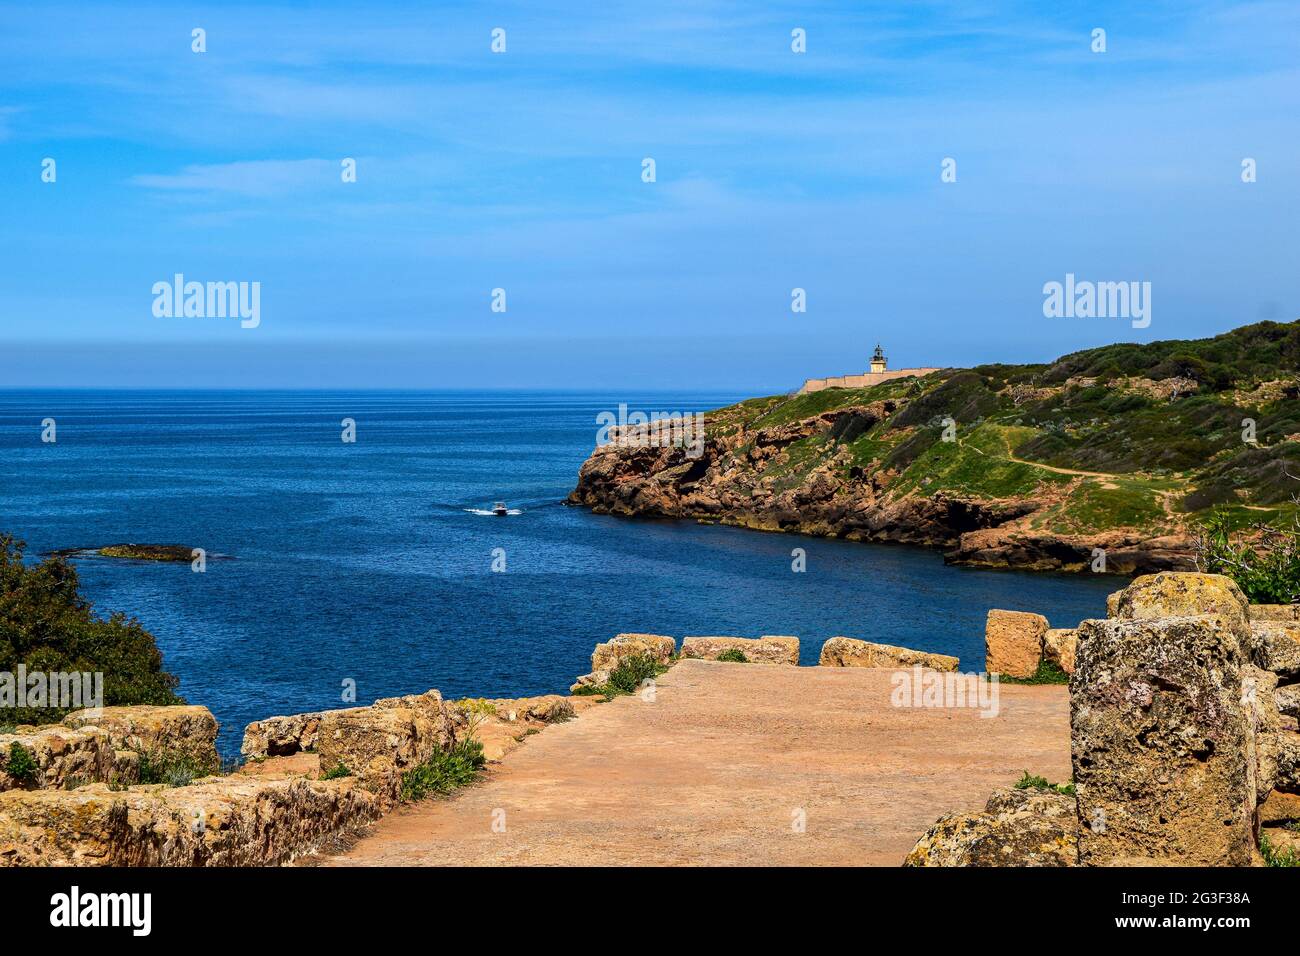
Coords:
878,360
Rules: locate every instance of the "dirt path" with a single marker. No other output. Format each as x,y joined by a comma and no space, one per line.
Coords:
715,770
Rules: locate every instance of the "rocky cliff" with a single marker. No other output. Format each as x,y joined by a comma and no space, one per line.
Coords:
1117,450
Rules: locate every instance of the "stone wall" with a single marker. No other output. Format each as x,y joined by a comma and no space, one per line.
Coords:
1184,742
865,380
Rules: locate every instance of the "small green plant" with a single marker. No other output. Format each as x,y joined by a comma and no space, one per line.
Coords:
445,771
173,768
588,690
1277,855
1030,782
1266,569
733,655
479,705
336,772
631,671
1047,673
21,766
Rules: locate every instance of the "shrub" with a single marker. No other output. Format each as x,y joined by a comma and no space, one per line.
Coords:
1029,782
21,766
631,671
445,771
1047,673
1267,569
733,655
335,772
173,768
48,626
1276,855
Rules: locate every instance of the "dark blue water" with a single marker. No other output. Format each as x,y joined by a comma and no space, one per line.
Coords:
359,561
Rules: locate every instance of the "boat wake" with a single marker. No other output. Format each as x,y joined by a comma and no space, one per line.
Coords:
490,512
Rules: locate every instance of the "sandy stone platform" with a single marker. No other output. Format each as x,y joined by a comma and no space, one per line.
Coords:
719,768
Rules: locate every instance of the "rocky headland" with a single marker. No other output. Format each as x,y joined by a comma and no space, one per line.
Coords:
1115,453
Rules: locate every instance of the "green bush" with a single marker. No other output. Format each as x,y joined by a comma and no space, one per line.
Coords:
1029,782
733,655
48,626
1047,673
445,771
1276,855
1267,569
336,772
21,766
173,768
631,671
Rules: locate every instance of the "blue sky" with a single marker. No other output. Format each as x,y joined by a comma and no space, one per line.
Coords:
522,170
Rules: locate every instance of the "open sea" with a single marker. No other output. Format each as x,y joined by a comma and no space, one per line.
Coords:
367,561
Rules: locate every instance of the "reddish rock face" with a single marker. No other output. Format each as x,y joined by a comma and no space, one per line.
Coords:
740,476
1013,642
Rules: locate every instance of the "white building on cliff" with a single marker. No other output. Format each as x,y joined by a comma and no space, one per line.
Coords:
880,372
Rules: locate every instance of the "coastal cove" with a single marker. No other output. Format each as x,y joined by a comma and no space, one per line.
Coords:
361,561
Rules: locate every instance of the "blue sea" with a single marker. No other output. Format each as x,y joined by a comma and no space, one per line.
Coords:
366,562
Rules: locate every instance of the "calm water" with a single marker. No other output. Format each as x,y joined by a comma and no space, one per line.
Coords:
360,561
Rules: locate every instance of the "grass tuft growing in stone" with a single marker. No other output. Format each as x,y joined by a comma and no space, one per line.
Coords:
1277,855
1047,673
1031,782
733,655
444,772
173,768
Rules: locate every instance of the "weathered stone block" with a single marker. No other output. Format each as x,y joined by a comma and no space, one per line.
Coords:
223,821
1288,700
1258,689
850,652
1186,594
1060,645
1288,762
1013,642
188,731
378,744
280,736
1280,807
1276,646
757,650
656,646
1162,743
1016,828
61,757
1274,612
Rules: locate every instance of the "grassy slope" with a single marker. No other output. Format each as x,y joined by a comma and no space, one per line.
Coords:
1152,462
